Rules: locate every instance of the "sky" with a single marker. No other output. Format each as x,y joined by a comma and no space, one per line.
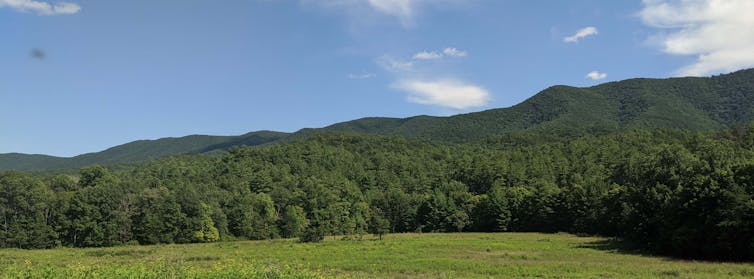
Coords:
84,75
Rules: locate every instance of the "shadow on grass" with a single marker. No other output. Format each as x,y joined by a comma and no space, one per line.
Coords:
616,245
132,253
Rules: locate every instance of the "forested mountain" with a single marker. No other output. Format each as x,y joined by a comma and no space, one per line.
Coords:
683,193
667,165
559,112
138,151
685,103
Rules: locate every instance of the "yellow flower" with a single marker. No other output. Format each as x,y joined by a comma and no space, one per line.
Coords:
27,262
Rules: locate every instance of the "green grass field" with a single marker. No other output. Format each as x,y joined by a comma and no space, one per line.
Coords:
461,255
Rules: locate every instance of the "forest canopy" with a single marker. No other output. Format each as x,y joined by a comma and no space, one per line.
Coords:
675,192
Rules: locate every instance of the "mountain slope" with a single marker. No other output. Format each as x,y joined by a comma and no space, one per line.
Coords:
683,103
555,113
137,151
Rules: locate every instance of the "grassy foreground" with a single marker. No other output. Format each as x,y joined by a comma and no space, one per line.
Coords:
462,255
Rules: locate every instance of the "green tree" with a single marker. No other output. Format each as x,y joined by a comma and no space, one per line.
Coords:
294,221
253,216
158,218
25,212
378,224
207,231
92,216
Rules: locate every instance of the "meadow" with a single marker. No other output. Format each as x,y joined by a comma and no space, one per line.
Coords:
446,255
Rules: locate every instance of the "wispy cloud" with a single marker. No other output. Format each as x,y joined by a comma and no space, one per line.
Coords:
596,75
444,93
582,33
395,65
362,76
425,55
433,55
454,52
718,32
404,10
412,75
41,8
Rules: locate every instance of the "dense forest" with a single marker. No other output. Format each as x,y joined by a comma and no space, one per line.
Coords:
675,192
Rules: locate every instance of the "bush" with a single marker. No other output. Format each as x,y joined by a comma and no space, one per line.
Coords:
312,234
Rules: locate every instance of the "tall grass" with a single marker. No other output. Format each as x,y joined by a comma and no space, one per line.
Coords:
161,269
453,255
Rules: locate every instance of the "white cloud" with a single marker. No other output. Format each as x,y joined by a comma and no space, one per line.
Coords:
720,33
41,8
424,55
582,33
394,65
595,75
405,10
412,75
444,93
454,52
362,76
433,55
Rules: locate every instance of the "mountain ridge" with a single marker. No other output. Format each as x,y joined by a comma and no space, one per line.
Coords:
559,111
136,151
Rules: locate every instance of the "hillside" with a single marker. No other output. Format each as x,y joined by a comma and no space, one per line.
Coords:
137,151
555,113
683,103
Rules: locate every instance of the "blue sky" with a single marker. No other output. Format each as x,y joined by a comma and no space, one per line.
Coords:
84,75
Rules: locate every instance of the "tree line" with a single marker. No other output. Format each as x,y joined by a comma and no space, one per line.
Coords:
681,193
